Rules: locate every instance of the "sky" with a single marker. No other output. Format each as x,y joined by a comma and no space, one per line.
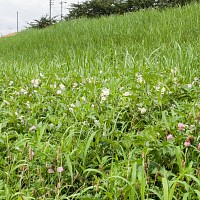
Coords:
28,10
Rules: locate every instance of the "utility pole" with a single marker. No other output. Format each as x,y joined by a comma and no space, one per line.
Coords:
50,7
61,13
17,21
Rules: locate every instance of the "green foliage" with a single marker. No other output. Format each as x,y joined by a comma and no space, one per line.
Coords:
96,8
43,22
87,108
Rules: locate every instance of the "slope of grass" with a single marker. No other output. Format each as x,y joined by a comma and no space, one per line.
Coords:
105,108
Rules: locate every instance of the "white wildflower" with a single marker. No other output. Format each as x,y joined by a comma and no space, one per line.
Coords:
32,128
97,123
105,92
59,92
83,98
126,94
121,88
103,98
75,85
139,78
23,91
42,75
73,105
62,87
189,85
90,80
71,109
28,104
163,90
35,82
142,110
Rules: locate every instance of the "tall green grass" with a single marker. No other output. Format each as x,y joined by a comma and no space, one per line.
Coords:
103,100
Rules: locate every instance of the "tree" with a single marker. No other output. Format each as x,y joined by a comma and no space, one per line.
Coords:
97,8
43,22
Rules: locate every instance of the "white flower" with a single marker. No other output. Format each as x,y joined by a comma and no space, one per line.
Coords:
163,90
35,82
100,72
59,92
62,87
97,123
105,92
103,98
142,110
42,75
126,94
54,85
121,88
72,105
75,85
28,104
190,85
32,128
23,91
71,109
139,78
83,98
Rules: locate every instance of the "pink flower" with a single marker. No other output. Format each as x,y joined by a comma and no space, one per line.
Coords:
181,126
60,169
187,144
198,147
169,137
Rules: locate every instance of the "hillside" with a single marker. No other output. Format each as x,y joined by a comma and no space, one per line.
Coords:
105,108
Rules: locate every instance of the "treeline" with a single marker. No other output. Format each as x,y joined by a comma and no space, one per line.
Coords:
97,8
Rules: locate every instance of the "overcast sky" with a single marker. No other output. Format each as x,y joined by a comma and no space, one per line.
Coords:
28,11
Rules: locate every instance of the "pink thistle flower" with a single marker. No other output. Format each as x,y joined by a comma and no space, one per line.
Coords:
187,144
170,137
60,169
198,147
181,126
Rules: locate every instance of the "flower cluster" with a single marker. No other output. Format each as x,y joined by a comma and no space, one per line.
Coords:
104,94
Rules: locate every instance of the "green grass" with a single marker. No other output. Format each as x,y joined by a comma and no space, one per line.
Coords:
99,98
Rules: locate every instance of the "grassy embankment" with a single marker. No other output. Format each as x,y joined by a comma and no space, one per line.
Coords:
112,101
